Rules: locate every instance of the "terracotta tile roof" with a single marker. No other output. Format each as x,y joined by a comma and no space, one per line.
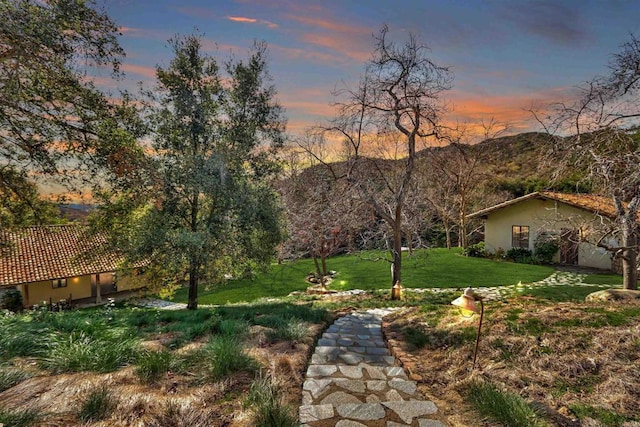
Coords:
599,204
52,252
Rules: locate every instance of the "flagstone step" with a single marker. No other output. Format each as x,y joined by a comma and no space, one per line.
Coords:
405,411
352,380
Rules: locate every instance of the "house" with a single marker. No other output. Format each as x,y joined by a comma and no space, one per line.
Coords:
60,262
518,223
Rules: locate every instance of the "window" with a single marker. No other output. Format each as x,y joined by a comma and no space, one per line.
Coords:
59,283
520,236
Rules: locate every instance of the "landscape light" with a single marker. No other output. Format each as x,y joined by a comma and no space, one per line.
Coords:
467,304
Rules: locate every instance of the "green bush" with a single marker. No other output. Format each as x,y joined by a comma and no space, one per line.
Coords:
519,255
97,406
544,249
11,300
477,250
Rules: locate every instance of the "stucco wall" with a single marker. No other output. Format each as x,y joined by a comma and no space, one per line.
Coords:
541,216
78,287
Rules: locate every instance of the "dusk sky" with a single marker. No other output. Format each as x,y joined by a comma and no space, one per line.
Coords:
504,55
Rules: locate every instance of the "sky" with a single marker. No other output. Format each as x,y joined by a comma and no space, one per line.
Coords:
505,55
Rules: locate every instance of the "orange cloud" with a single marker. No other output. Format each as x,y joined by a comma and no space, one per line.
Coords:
512,109
246,20
241,19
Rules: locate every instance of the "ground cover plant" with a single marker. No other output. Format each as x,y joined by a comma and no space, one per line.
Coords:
543,360
368,270
179,367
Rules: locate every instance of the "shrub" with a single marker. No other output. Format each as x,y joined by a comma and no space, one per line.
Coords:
24,418
544,249
11,300
267,406
520,255
477,250
97,405
506,408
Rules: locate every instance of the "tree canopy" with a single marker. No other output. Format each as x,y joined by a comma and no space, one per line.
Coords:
206,211
54,121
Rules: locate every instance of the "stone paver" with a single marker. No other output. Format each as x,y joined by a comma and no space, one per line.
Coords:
353,380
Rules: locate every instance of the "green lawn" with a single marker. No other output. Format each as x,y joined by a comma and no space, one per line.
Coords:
433,268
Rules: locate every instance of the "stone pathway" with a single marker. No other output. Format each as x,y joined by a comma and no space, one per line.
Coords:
353,381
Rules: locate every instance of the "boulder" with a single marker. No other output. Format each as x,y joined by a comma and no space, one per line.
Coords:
613,295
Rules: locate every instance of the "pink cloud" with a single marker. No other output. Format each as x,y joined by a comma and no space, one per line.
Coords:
347,39
512,109
141,70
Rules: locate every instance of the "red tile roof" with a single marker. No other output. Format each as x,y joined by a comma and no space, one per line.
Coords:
590,202
53,252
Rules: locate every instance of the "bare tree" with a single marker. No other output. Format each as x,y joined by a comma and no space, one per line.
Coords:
322,216
394,111
452,178
602,125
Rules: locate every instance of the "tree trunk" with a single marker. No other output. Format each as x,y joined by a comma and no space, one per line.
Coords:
192,303
447,231
463,229
397,254
316,263
629,255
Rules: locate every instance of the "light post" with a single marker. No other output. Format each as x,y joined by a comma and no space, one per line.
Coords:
467,302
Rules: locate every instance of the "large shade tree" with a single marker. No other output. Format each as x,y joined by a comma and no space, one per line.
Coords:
208,212
603,139
54,122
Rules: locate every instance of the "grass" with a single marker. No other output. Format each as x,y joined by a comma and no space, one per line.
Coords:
10,376
24,418
153,364
98,405
561,293
506,408
267,406
432,268
603,279
78,351
606,417
224,355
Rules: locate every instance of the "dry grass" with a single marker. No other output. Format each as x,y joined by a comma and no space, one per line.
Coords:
558,358
174,399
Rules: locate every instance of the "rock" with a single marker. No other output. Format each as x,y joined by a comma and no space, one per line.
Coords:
613,295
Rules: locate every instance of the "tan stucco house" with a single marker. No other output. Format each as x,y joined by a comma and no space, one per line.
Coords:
60,262
519,222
